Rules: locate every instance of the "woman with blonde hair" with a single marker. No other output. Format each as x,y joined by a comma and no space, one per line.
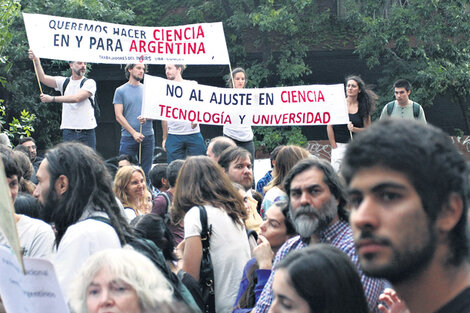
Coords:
119,280
202,185
286,158
129,186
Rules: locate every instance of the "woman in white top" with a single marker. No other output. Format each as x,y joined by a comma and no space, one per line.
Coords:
241,134
286,158
201,182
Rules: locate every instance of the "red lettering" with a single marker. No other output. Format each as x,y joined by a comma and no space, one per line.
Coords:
133,46
320,96
282,96
162,107
317,118
155,34
168,35
142,46
291,118
200,32
326,116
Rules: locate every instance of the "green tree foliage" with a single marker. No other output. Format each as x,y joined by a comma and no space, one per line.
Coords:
424,41
21,91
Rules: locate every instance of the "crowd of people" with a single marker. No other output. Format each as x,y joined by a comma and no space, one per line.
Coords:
380,228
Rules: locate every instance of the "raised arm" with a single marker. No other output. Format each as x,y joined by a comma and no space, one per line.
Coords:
47,80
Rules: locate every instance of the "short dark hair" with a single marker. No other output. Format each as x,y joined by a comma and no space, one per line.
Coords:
27,204
9,163
156,174
172,171
219,144
130,67
322,274
427,157
90,186
26,139
402,83
231,154
126,157
330,178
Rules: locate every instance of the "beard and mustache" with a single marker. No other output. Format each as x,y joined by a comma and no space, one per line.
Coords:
49,207
309,220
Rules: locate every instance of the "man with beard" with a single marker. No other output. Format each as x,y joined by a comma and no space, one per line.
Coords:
127,107
237,164
409,202
75,189
78,114
318,210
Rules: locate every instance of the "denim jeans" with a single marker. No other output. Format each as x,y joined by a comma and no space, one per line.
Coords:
131,147
85,136
180,146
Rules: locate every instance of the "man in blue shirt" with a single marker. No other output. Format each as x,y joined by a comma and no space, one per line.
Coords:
127,107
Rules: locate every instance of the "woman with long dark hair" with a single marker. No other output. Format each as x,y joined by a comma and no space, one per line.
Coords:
201,182
361,101
320,279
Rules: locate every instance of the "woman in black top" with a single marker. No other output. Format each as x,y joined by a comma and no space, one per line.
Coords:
360,101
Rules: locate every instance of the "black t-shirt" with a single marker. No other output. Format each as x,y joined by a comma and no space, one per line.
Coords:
460,304
342,132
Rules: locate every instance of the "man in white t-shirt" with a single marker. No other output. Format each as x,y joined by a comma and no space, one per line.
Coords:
180,139
78,115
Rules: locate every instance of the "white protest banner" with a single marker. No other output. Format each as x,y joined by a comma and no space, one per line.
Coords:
7,220
299,105
36,292
63,38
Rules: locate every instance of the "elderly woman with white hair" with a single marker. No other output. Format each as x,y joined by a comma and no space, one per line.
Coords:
120,280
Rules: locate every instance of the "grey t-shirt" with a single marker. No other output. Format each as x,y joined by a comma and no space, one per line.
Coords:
130,97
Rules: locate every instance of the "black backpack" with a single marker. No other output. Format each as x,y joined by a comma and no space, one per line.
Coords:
94,102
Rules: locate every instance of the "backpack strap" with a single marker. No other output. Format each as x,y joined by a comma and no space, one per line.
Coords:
390,107
100,219
415,110
66,83
206,232
207,270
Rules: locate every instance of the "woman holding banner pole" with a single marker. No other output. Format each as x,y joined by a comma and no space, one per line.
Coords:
361,102
241,134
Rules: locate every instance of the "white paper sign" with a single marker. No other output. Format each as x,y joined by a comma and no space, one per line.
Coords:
36,292
73,39
298,105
